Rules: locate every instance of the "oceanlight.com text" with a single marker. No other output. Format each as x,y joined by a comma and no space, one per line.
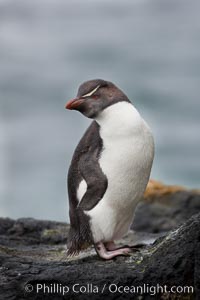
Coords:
112,288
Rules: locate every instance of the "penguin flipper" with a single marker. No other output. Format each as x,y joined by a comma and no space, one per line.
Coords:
84,166
96,180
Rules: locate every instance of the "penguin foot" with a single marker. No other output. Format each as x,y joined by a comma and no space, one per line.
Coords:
109,254
110,246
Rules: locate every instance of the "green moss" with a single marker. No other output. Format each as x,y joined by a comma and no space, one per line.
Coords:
6,250
50,232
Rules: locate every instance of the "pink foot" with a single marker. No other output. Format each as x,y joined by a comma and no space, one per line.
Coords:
110,246
103,253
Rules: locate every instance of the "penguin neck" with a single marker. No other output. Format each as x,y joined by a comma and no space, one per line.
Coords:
121,118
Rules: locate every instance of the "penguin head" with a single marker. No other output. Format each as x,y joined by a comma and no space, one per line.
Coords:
94,96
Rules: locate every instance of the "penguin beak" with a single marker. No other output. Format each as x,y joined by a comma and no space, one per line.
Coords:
74,103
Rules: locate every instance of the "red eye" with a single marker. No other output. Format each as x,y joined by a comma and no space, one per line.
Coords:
94,96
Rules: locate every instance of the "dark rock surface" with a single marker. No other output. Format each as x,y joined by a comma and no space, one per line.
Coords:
33,252
165,212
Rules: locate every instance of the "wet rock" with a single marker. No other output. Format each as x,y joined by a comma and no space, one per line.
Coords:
33,262
165,207
172,260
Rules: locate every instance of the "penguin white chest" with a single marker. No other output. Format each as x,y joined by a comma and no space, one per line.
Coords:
127,154
121,161
126,161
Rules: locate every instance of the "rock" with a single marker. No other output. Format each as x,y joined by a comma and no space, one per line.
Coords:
28,231
172,260
33,262
165,207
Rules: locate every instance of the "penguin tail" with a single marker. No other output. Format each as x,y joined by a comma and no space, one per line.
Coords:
72,252
78,241
75,246
80,236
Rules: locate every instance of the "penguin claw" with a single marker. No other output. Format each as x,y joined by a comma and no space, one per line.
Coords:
126,251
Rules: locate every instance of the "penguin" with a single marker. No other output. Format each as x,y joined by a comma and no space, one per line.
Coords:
109,171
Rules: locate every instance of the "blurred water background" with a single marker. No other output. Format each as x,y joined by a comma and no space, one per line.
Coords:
149,48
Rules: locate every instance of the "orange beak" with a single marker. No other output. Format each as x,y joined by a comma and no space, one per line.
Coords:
73,103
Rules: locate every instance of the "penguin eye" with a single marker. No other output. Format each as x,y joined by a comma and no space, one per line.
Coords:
92,92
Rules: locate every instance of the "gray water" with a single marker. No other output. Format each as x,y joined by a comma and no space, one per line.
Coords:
150,49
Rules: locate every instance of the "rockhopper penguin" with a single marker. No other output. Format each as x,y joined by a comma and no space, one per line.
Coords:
109,171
